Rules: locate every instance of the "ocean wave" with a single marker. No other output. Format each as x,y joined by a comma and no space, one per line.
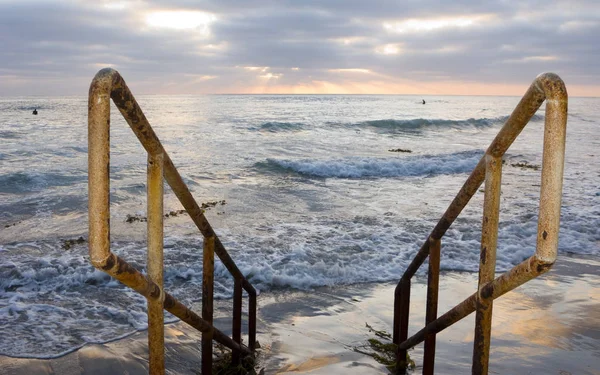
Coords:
413,125
8,134
276,126
330,251
364,167
27,182
420,124
393,125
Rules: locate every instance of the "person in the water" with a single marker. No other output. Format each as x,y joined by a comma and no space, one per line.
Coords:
35,111
423,101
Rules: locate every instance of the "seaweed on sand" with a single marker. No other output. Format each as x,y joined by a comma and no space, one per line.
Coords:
383,350
222,363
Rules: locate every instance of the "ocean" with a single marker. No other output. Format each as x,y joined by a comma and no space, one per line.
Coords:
310,191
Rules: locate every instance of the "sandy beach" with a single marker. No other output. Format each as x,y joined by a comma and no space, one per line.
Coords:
549,326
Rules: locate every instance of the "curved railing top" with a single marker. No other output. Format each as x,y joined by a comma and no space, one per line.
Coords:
548,87
108,84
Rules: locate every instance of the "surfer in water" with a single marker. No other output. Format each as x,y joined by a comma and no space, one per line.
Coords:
423,101
35,111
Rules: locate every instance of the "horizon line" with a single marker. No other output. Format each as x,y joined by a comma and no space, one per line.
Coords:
289,94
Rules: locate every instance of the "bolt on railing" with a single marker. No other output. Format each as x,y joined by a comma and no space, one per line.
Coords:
107,85
546,87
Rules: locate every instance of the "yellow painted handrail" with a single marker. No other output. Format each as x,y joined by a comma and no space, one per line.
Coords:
546,87
107,85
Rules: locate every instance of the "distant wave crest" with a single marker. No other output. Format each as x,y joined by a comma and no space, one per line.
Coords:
25,182
419,124
276,126
393,125
7,134
359,167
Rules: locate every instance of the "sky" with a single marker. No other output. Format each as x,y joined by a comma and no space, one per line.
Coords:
425,47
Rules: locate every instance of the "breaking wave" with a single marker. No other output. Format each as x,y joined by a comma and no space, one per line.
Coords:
275,126
358,167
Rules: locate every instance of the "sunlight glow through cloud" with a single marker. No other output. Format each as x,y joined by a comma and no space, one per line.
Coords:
540,58
206,78
578,25
181,20
388,49
257,68
271,76
355,70
116,5
213,46
424,24
528,59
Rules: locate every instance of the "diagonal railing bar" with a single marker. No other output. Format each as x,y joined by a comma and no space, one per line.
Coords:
107,85
546,87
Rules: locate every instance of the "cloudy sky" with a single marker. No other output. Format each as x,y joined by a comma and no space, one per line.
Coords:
299,46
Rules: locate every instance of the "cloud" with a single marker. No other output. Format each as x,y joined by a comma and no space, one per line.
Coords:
185,46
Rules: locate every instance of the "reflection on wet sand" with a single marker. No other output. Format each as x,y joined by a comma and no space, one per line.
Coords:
537,324
549,326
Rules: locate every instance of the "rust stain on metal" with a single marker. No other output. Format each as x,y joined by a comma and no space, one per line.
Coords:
252,323
433,279
107,85
487,266
546,87
156,335
208,279
236,327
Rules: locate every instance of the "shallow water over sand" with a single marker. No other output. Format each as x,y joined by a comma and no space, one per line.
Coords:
314,197
549,326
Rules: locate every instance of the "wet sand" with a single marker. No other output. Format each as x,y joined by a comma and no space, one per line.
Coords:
548,326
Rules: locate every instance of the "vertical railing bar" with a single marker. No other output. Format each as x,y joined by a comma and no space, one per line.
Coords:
433,278
487,266
396,323
549,87
553,158
252,322
155,264
133,114
403,311
106,85
208,279
236,331
523,112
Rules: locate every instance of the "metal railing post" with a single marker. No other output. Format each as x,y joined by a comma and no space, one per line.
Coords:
546,87
401,315
252,322
208,282
433,280
107,85
236,331
487,266
156,335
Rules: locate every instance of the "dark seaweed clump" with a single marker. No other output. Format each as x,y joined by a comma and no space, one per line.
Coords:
383,350
68,244
204,206
400,150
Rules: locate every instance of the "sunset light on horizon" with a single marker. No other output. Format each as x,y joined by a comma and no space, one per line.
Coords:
317,47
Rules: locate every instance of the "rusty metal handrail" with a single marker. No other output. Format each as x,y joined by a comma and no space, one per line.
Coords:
106,85
548,87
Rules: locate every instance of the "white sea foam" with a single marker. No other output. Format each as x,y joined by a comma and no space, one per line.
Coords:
356,167
317,199
72,304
